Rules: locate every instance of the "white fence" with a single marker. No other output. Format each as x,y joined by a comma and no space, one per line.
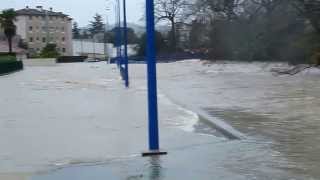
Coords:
89,47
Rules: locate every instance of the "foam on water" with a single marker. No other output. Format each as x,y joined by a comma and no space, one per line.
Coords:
183,118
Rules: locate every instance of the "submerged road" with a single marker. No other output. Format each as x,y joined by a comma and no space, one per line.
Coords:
77,121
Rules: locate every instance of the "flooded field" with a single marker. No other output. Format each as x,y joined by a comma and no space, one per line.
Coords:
77,121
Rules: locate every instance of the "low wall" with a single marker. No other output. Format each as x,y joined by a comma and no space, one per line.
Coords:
71,59
40,62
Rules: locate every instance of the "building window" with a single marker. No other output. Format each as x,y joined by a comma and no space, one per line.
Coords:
30,28
62,28
31,39
63,39
64,50
30,17
37,38
44,40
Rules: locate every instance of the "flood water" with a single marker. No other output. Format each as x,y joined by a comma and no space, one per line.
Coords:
283,110
57,120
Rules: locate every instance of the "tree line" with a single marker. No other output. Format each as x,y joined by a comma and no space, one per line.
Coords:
265,30
249,30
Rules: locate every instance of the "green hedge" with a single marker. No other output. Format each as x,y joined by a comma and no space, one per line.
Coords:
9,64
7,54
7,58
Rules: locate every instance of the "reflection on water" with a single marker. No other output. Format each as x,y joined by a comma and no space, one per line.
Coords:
155,169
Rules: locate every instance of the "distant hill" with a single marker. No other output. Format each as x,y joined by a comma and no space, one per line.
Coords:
139,29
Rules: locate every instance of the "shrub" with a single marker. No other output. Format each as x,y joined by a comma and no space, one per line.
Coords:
7,54
7,58
70,59
9,64
50,51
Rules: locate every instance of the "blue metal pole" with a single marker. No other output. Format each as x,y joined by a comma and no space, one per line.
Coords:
152,79
125,34
118,32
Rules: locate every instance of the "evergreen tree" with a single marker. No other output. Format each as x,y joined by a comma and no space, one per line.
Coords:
132,36
50,51
76,31
97,25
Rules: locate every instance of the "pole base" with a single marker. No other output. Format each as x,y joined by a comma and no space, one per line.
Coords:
154,153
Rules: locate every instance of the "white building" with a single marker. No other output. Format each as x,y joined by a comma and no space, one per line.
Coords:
39,27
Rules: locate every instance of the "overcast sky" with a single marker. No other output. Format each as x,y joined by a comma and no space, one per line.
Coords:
81,11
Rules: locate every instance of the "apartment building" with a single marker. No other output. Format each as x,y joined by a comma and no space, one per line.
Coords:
38,27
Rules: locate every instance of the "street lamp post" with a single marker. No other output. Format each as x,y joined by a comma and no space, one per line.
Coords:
154,148
125,34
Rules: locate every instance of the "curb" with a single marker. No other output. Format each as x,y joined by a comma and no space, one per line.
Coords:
221,126
224,128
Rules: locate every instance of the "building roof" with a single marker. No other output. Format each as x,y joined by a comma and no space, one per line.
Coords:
39,12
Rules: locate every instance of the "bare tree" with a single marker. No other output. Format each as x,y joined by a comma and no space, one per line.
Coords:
172,11
224,8
309,9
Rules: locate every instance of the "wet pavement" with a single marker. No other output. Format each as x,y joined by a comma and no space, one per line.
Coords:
77,121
